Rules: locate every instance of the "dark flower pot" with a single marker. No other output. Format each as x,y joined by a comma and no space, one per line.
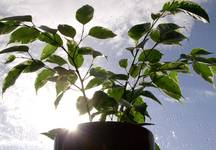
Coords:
105,136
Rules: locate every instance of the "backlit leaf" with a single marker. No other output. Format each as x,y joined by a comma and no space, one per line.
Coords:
167,27
7,27
194,10
83,105
137,31
150,95
26,18
74,57
52,39
116,92
33,65
204,71
58,99
102,102
52,133
99,73
151,55
10,59
67,30
42,78
93,83
21,48
12,76
62,84
24,35
134,71
175,66
189,7
168,85
101,32
56,60
85,14
48,29
123,63
199,51
48,50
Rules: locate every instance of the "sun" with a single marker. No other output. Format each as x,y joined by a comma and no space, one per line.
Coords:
41,113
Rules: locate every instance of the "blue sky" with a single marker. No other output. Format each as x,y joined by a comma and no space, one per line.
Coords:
188,125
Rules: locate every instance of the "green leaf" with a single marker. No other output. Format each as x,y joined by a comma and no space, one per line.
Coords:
101,32
199,51
155,35
89,51
24,35
83,105
7,27
67,30
150,95
96,54
116,92
168,85
171,7
78,60
204,71
167,27
167,33
155,16
157,146
93,83
134,71
139,111
52,39
12,76
58,99
62,84
74,57
99,73
10,59
137,31
123,63
189,7
42,78
52,133
151,55
195,10
174,75
85,50
171,38
213,68
21,48
65,74
85,14
55,59
48,50
48,29
102,102
175,66
33,65
119,77
26,18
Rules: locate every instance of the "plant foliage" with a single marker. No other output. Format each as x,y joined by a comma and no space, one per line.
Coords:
121,95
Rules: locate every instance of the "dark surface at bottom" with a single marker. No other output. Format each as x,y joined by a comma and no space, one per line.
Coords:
105,136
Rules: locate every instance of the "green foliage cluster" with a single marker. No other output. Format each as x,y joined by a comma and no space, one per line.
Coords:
120,95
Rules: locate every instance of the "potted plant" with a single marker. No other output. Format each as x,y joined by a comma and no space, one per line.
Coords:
120,101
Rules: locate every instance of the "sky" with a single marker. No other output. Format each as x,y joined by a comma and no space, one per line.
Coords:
188,125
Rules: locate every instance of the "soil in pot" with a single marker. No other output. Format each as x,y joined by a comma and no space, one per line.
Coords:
105,136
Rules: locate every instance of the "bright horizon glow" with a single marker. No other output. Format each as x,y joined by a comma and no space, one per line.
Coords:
39,110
